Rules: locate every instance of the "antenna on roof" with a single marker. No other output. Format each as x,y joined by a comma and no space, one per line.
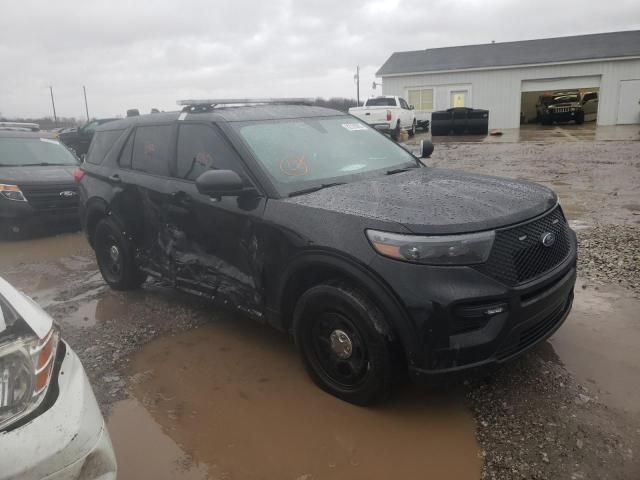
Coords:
206,105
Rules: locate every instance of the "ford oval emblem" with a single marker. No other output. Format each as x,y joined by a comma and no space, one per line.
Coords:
68,194
548,239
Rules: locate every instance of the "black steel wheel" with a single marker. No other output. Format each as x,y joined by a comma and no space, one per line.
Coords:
341,347
115,256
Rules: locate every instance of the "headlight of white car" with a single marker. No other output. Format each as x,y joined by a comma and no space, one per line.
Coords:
26,366
434,250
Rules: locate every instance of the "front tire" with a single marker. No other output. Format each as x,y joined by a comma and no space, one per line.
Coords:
116,256
341,348
412,132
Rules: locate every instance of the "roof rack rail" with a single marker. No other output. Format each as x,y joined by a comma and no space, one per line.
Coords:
206,105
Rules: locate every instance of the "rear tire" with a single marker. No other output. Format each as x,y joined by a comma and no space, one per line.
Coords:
412,131
395,134
116,256
341,348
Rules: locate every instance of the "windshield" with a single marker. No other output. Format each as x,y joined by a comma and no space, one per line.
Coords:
565,99
305,152
381,102
16,151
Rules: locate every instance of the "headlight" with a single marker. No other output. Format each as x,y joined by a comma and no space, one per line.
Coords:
437,250
12,192
26,365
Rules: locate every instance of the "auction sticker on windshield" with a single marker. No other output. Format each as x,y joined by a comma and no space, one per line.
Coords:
354,126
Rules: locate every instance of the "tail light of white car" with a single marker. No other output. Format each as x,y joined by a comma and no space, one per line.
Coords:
26,367
388,115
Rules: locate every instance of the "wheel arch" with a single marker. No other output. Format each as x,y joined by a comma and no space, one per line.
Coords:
313,268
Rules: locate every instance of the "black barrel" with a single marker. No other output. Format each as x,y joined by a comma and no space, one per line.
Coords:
460,120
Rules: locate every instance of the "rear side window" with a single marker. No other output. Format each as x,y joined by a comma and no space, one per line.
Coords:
101,144
125,156
381,102
152,149
202,148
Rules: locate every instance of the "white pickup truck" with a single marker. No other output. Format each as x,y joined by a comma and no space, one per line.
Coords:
388,114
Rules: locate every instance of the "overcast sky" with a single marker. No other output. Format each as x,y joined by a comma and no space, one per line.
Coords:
143,54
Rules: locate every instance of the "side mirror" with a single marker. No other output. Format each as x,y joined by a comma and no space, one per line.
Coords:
411,107
426,148
219,183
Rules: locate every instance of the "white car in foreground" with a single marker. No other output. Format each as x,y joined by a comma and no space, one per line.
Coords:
50,423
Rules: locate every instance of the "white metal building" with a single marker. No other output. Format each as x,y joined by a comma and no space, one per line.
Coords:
497,76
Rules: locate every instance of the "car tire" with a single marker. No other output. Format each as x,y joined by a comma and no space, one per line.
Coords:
546,120
579,118
395,134
116,256
412,132
336,329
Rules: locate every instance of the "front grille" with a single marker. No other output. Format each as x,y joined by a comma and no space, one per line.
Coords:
520,340
50,198
518,254
561,110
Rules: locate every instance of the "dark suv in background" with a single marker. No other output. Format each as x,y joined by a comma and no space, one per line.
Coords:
37,188
79,139
310,220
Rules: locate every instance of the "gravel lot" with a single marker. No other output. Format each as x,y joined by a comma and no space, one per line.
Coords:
534,418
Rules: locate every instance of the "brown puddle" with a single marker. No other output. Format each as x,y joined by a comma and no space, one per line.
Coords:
600,344
234,396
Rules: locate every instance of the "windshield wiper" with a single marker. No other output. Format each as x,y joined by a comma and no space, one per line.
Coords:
315,189
400,170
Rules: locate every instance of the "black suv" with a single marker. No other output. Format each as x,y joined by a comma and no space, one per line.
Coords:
37,187
310,220
79,139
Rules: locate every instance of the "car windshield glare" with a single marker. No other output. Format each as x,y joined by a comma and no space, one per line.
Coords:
18,151
303,152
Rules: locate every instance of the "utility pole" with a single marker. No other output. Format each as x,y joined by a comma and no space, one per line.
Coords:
356,77
53,104
86,106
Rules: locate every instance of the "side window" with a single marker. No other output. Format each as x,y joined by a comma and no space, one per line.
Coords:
152,149
101,144
201,148
403,104
125,156
90,127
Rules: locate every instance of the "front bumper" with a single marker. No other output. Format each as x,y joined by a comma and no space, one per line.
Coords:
17,216
563,116
459,318
67,441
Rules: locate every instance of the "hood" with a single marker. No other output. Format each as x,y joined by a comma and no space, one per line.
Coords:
435,201
56,174
38,320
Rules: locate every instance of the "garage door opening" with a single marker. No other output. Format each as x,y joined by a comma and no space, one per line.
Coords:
571,105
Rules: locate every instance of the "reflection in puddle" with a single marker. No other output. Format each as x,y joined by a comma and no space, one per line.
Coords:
110,306
234,396
600,344
143,451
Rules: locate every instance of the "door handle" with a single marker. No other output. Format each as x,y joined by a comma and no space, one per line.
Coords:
115,178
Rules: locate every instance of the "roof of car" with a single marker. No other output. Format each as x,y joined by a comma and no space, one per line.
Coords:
228,114
506,54
24,134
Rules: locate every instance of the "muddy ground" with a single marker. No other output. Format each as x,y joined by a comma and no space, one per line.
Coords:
193,391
